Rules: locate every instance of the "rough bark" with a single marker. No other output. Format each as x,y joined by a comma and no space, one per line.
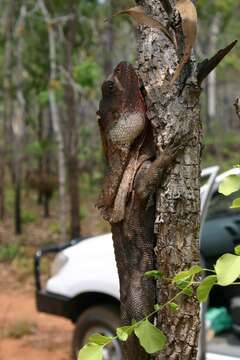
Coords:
73,173
178,201
55,116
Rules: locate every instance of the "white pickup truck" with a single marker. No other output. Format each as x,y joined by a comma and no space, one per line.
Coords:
84,282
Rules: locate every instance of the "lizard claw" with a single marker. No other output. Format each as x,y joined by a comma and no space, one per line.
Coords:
174,147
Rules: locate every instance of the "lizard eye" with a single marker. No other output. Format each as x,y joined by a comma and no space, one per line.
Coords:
110,85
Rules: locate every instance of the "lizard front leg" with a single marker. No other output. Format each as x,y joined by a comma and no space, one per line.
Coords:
147,184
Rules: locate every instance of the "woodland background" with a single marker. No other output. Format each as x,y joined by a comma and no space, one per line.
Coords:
54,55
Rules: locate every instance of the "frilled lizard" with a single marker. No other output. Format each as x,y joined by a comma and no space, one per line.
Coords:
133,173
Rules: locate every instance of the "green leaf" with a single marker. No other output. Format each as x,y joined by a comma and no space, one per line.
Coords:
125,331
237,250
87,72
205,287
187,291
91,352
174,307
157,307
229,185
155,274
185,275
99,339
235,204
227,269
43,97
184,284
151,338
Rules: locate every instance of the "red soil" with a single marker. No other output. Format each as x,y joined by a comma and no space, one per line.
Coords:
51,337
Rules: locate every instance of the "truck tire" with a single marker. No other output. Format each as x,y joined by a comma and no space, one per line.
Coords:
102,319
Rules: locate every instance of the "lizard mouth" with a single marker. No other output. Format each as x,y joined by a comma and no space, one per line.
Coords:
118,83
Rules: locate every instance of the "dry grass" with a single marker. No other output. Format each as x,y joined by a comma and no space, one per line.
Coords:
19,329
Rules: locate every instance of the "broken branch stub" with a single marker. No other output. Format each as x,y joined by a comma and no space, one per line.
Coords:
206,66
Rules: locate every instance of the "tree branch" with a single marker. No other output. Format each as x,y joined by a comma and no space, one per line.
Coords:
206,66
237,106
77,88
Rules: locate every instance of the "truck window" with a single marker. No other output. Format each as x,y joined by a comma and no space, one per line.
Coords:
220,206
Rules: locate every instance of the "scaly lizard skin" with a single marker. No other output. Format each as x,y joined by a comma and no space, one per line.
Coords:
122,120
133,173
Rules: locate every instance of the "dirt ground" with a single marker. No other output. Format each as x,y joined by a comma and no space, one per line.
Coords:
26,334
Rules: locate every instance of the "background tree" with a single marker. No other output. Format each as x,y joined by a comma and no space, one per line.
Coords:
7,60
216,26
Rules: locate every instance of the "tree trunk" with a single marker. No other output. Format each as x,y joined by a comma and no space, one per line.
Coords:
18,218
2,173
46,200
40,156
109,41
170,110
55,116
18,118
134,170
7,93
73,173
212,79
47,166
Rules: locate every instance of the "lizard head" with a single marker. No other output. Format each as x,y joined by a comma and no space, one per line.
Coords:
122,108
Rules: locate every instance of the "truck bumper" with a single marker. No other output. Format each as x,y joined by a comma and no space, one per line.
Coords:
213,356
53,304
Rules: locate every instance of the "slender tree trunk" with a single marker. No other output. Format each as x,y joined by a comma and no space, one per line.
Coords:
18,218
2,176
109,41
55,116
73,173
40,157
7,93
212,78
46,200
174,113
47,162
18,119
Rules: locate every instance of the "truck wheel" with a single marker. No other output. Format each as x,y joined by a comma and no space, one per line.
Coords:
98,319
